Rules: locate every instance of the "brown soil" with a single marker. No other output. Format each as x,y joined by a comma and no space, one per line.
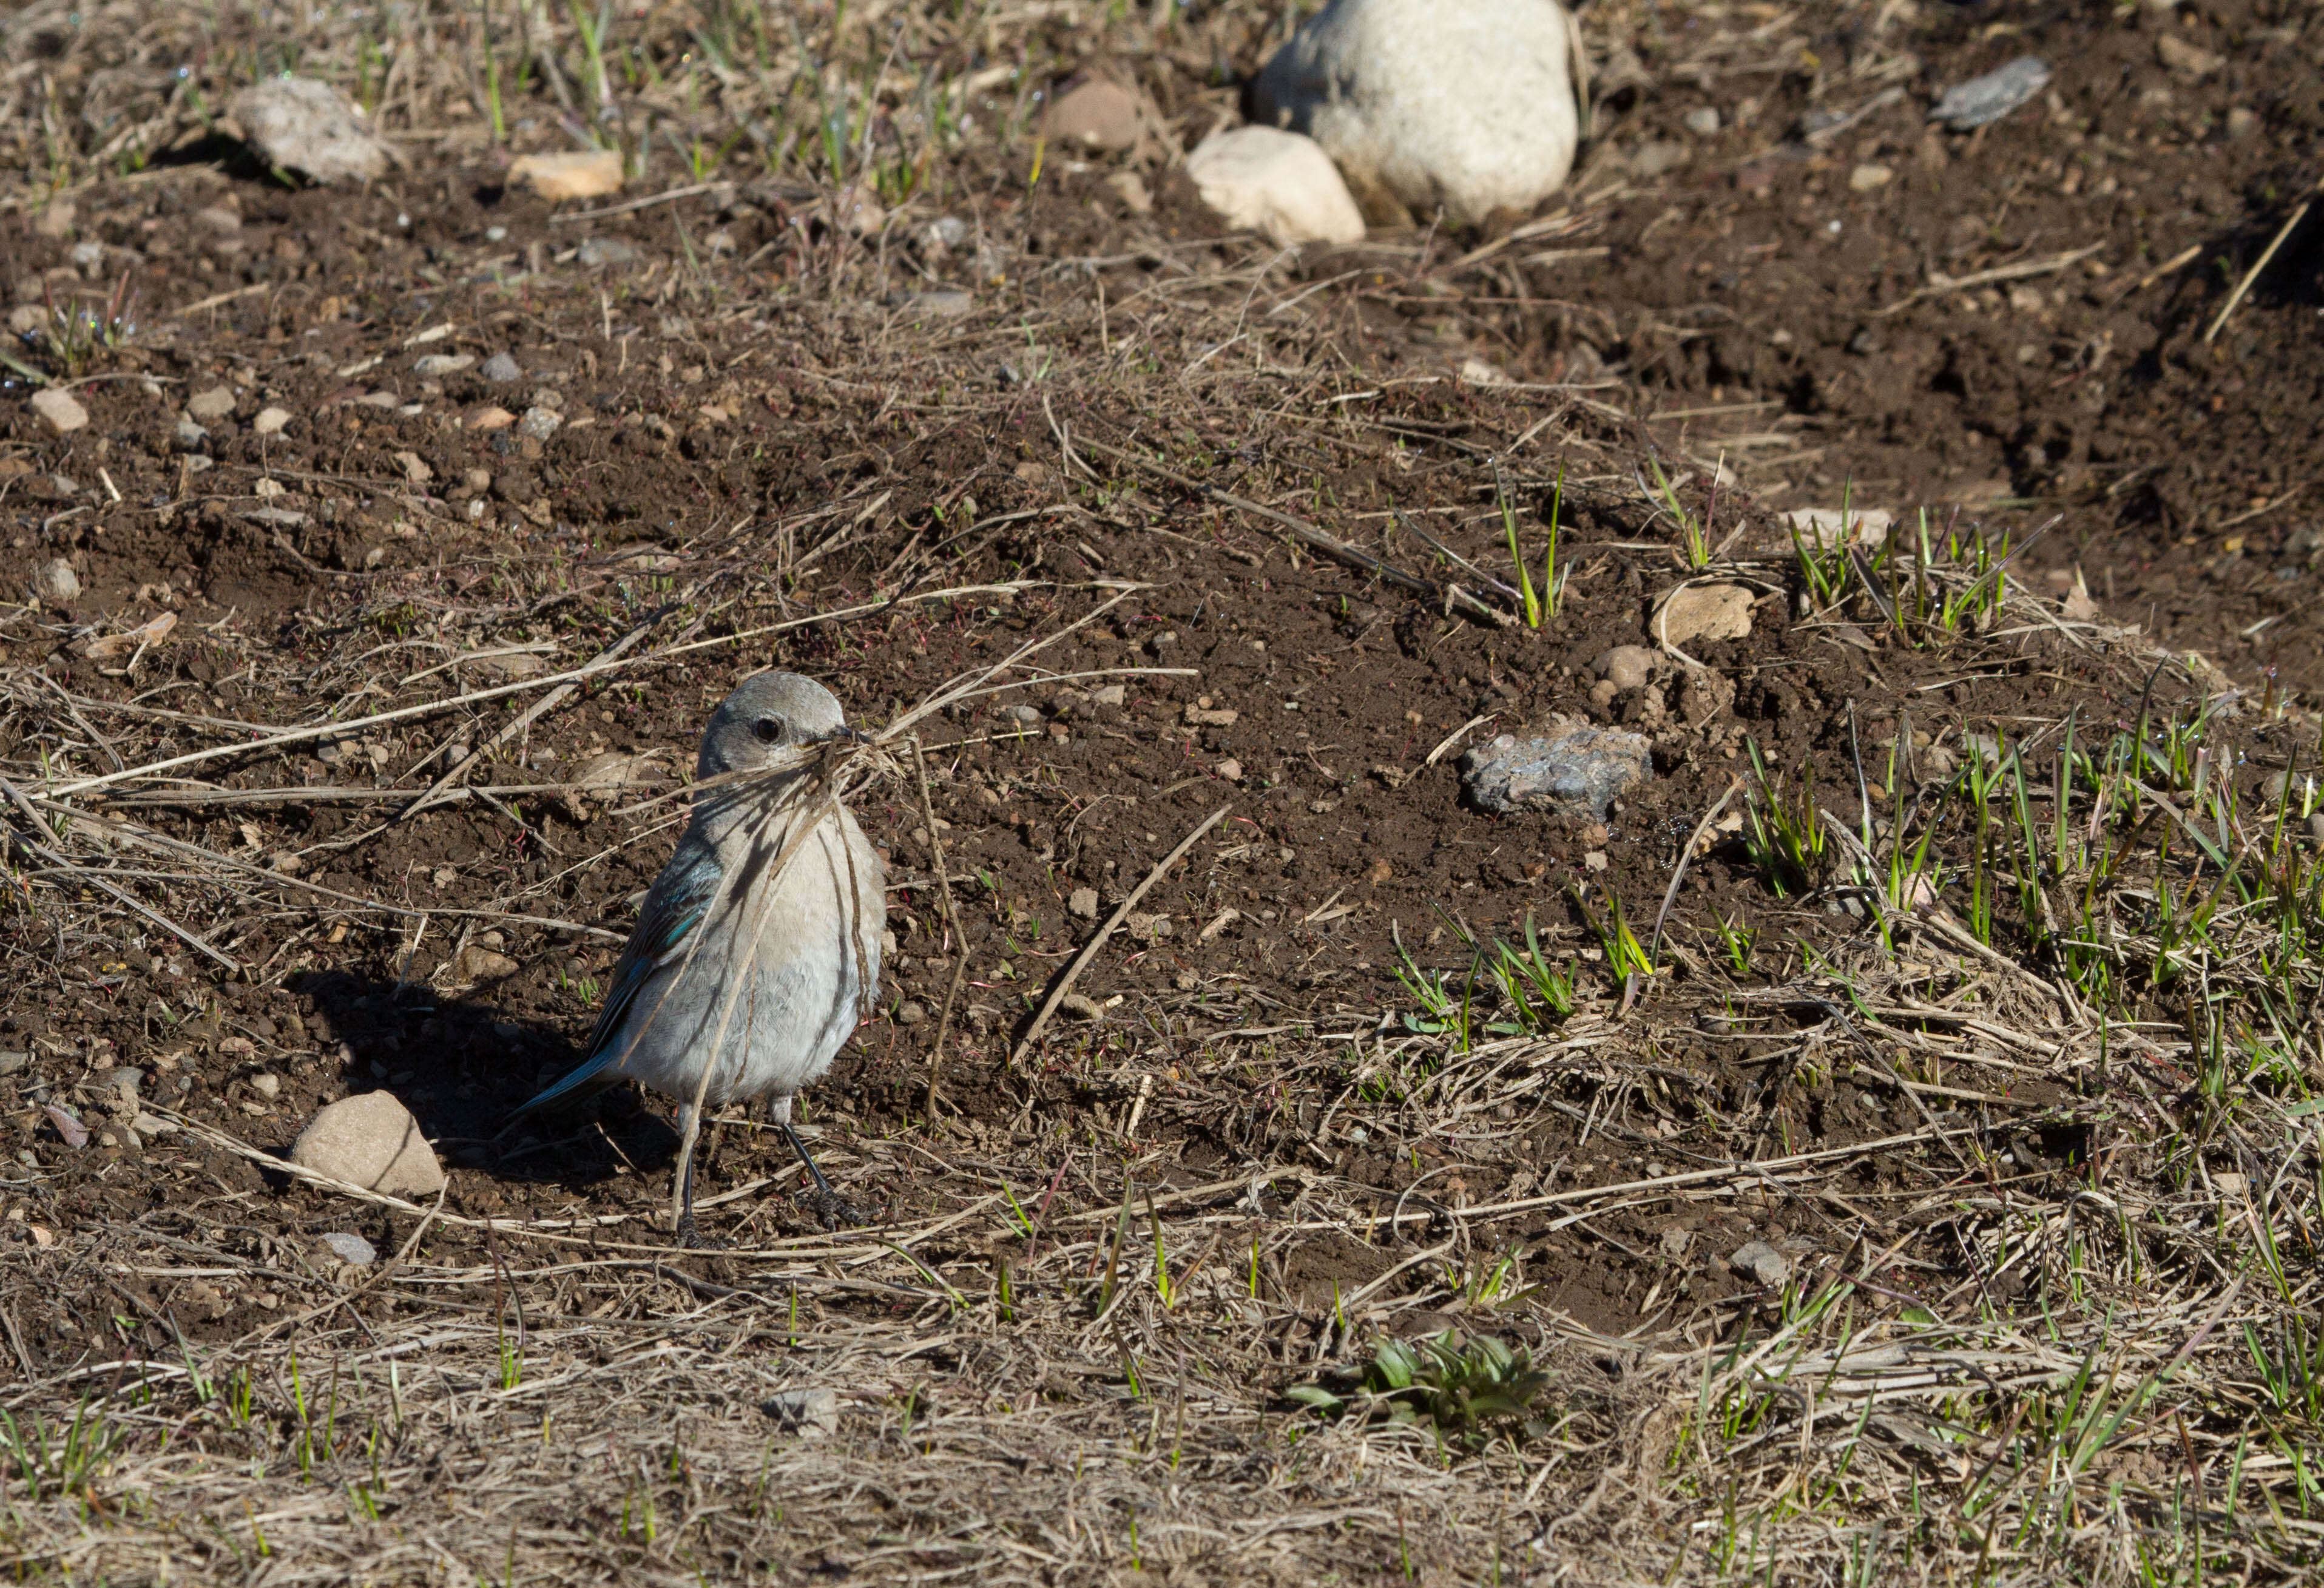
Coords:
779,445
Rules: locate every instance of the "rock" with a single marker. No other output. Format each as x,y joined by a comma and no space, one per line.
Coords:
123,1079
590,173
1702,123
1628,666
933,305
501,368
486,417
371,1140
190,436
266,1086
1276,182
1098,116
271,421
2183,60
1995,95
603,251
540,423
60,409
1470,105
1763,1262
811,1414
1866,177
417,470
1083,902
1024,716
479,964
1139,199
857,210
2242,122
55,583
1573,768
1147,928
207,407
1675,1241
70,1130
911,1012
1655,160
298,123
58,218
1229,769
1824,527
429,367
1705,611
1082,1006
351,1249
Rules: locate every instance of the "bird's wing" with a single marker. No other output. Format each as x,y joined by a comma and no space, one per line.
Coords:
675,907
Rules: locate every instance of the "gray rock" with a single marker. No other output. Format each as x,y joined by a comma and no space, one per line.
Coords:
1573,767
215,404
370,1140
12,1059
500,367
603,251
429,367
190,436
1083,902
811,1414
1760,1261
1702,122
123,1079
1098,116
304,126
1472,105
1995,95
56,583
352,1248
540,423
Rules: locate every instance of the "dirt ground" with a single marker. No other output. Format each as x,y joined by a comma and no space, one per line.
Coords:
1875,1231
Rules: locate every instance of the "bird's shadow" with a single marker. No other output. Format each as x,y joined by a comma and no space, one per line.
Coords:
462,1065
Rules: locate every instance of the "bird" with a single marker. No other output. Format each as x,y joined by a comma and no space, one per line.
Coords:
759,942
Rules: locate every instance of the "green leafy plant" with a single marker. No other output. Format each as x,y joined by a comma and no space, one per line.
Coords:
1540,604
1694,535
1469,1392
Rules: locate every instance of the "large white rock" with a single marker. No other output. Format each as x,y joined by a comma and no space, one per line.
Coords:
372,1141
1470,105
304,124
1276,182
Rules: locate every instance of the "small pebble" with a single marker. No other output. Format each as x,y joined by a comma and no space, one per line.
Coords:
500,366
912,1013
350,1248
1082,1006
1702,123
56,583
271,421
266,1086
540,423
1084,903
215,404
60,409
430,366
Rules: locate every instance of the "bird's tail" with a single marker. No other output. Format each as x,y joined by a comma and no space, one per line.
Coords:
585,1081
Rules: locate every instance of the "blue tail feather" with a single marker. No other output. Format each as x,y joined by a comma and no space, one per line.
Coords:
584,1081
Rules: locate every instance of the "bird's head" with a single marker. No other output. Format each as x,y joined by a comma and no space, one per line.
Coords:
772,721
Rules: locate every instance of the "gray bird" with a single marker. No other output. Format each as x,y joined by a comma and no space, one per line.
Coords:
768,962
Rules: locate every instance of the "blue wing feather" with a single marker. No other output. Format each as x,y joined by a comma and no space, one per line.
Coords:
672,910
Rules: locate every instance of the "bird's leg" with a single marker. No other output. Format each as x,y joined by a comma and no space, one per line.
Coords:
689,1124
834,1210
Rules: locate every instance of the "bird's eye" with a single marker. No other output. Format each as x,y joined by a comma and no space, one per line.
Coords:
767,729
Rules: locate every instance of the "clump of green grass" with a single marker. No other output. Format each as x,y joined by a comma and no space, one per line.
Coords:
1469,1392
1783,830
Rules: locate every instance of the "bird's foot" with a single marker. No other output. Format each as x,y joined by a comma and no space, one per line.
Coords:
833,1210
690,1237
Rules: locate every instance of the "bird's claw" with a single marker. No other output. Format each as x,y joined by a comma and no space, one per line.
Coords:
690,1237
834,1212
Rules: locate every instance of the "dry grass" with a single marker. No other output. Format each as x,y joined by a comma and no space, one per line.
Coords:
2056,1322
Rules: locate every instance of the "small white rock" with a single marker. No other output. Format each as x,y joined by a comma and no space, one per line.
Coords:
1866,177
351,1249
60,408
1280,183
210,406
271,421
1762,1263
